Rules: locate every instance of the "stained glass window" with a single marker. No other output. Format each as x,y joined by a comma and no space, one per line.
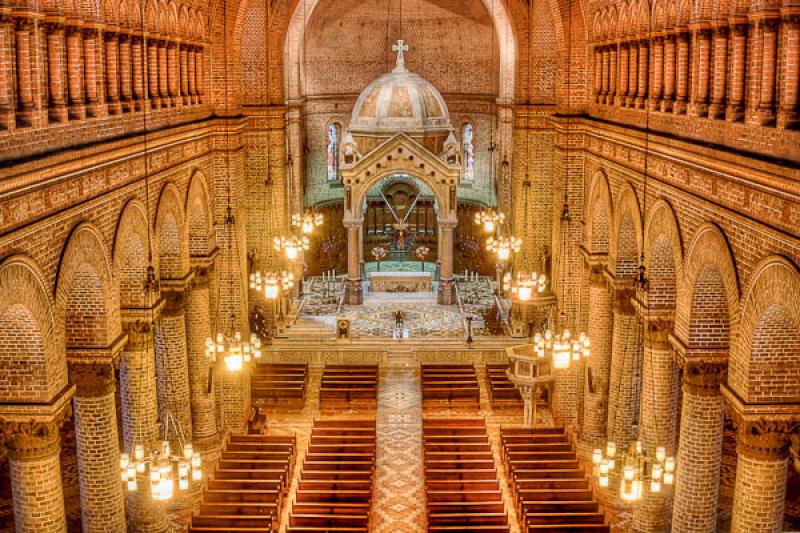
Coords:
469,153
333,152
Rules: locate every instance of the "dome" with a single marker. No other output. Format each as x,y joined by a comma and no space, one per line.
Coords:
400,101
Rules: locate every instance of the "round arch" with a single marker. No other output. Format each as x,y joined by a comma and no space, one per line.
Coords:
663,255
171,234
132,254
198,215
599,215
626,236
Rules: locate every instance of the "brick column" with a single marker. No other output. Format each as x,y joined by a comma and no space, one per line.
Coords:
626,345
75,70
200,81
633,73
762,447
192,75
669,73
701,64
7,115
172,72
138,72
595,412
720,72
736,102
90,55
446,285
152,73
56,70
657,82
125,72
172,369
140,416
26,103
102,502
355,291
681,72
624,57
658,418
700,445
163,88
604,81
184,59
644,70
34,447
598,72
765,112
612,67
788,115
205,434
112,73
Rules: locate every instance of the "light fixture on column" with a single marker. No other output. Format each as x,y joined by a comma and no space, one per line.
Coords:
490,219
168,473
524,286
271,284
503,246
563,346
637,471
291,245
307,221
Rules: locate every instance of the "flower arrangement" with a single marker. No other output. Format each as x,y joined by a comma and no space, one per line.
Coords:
379,252
422,252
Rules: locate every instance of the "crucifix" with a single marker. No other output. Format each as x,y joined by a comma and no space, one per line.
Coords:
400,48
400,226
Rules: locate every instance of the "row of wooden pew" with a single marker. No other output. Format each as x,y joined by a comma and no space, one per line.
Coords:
502,392
349,384
248,487
463,492
450,386
551,491
334,493
279,383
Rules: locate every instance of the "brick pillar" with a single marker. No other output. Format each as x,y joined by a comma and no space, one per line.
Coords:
658,419
626,343
26,103
788,115
669,73
765,112
200,73
736,102
604,80
35,470
720,71
595,414
75,70
644,70
152,74
140,418
657,82
446,294
184,59
205,434
56,69
112,73
700,446
172,370
172,72
633,73
612,81
7,115
90,55
598,73
102,502
762,447
624,57
701,64
163,88
681,72
125,72
138,72
192,75
355,294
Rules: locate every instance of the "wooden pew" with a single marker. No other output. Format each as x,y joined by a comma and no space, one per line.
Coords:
502,392
334,493
551,491
248,487
347,384
450,385
279,383
463,493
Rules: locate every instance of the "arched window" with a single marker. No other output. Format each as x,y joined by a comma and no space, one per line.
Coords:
333,152
469,152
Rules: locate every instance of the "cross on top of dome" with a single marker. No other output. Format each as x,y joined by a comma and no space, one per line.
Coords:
400,48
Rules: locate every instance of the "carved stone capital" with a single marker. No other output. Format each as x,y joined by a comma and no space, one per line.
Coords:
140,335
703,376
92,379
622,303
174,303
32,432
764,439
656,333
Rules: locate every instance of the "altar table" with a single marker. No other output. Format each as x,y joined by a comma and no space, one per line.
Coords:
400,282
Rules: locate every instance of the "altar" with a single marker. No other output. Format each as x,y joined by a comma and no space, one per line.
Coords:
400,282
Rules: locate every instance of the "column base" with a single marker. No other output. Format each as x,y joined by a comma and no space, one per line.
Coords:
354,292
667,105
58,113
680,107
114,108
765,116
94,109
640,102
447,293
77,112
788,119
734,113
716,110
698,109
26,118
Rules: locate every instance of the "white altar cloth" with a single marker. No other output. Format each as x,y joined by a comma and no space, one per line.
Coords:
400,282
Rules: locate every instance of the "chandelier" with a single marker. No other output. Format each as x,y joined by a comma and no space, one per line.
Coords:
524,285
291,245
272,283
307,221
489,219
638,469
503,246
233,349
564,347
165,470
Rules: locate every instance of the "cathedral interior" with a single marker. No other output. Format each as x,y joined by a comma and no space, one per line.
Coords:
395,266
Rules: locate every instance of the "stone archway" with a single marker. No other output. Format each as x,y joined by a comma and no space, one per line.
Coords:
400,155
